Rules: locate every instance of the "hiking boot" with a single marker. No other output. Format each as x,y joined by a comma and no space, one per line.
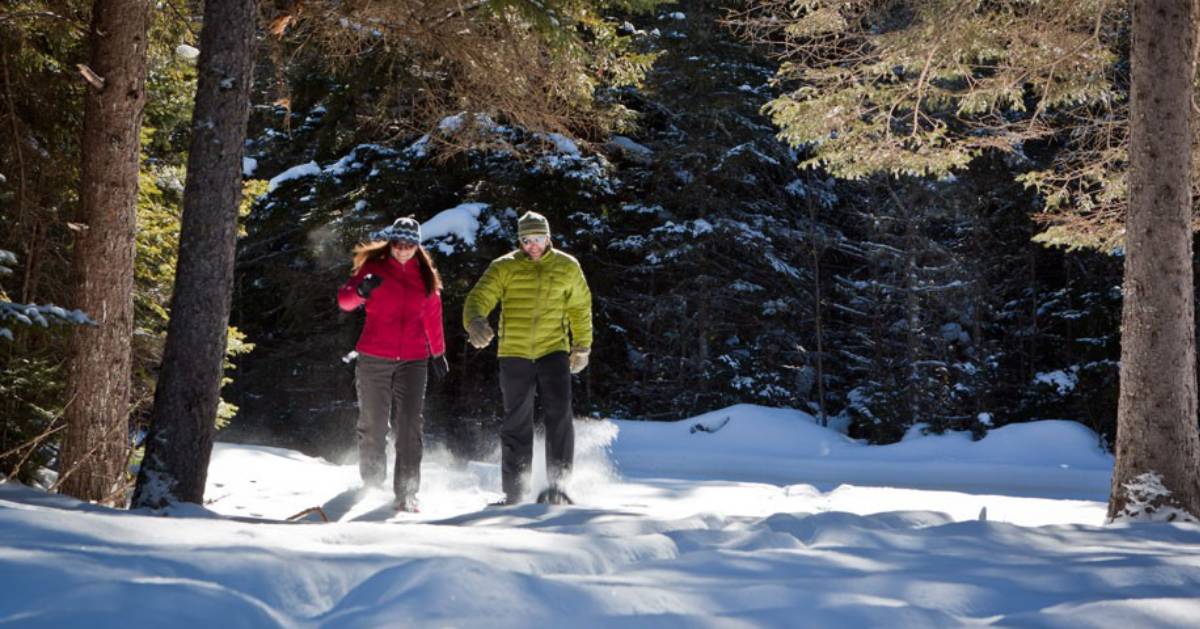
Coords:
406,505
505,502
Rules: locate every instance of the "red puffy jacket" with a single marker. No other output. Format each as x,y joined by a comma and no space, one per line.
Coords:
403,323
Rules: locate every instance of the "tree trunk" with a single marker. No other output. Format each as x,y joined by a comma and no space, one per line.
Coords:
183,418
1157,444
95,451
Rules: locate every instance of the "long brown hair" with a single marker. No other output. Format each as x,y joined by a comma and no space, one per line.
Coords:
381,249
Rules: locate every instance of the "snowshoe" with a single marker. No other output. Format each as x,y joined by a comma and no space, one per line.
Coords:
554,496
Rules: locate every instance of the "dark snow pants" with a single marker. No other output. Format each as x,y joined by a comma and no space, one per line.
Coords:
550,377
390,391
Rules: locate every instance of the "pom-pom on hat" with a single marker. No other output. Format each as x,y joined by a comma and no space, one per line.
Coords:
531,224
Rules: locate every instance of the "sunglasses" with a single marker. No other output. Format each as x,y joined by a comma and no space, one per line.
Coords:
534,240
403,244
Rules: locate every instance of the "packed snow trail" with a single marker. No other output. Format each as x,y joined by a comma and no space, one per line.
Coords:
659,540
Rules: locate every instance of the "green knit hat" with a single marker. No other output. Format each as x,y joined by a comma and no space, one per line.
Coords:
532,223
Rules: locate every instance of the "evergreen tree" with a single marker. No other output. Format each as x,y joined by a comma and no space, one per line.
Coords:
24,443
186,400
42,43
925,87
409,64
96,447
917,341
1157,469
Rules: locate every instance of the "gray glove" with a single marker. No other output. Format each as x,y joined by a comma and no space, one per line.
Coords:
579,358
479,332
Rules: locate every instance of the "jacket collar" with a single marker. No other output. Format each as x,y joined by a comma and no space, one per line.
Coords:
392,266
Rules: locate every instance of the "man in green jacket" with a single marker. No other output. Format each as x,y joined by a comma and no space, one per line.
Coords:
545,336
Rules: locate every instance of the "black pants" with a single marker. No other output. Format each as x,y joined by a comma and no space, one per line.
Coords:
550,377
390,391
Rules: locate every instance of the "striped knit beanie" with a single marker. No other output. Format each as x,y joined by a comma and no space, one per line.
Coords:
406,229
532,223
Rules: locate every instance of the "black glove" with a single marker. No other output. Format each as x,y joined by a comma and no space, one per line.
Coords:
439,366
368,284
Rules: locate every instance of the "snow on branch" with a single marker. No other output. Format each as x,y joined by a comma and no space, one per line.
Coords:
32,314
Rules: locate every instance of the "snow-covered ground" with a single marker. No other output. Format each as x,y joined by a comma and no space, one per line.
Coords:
764,520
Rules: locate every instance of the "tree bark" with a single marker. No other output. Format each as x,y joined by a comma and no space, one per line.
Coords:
1156,414
95,451
183,418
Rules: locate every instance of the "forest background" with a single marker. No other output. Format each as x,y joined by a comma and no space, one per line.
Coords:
968,279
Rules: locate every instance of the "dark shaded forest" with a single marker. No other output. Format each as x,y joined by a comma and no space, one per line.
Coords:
712,259
722,272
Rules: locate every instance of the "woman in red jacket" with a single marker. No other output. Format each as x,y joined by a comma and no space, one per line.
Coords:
395,279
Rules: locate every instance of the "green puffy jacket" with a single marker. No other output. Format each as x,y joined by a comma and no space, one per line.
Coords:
541,302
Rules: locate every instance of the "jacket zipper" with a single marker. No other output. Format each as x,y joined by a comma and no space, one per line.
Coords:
403,303
405,299
537,302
